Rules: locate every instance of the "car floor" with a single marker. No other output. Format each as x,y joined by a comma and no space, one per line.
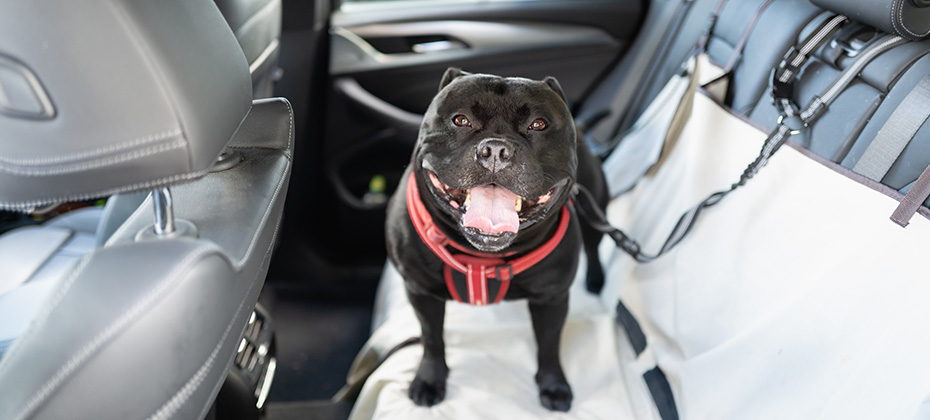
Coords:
318,331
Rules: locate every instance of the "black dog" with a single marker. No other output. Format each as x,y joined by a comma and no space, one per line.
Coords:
483,214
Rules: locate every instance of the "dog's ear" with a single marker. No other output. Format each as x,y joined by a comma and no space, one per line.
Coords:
451,74
554,85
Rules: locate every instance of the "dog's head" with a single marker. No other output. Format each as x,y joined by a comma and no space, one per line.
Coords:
496,155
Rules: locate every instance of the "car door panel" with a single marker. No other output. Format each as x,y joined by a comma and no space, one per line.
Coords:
413,54
386,61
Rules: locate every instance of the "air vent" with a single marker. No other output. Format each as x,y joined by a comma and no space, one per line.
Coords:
254,363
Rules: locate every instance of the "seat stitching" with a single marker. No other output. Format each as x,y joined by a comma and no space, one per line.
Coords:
131,314
175,402
138,154
29,205
151,138
47,309
900,22
261,269
290,126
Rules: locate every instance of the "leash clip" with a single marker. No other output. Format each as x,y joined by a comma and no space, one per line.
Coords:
794,122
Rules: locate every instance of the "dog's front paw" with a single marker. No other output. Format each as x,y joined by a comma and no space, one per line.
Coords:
556,397
427,394
554,392
429,385
594,281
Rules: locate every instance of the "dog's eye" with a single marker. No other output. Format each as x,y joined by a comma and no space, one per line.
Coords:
461,121
538,125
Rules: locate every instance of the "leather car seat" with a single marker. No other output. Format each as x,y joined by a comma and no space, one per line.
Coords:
126,319
257,25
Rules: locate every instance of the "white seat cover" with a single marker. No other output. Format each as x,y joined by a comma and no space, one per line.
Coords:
491,355
794,297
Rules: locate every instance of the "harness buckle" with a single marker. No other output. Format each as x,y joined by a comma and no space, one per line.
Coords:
434,235
497,272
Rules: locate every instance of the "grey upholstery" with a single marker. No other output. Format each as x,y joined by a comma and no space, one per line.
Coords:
155,323
103,319
117,210
916,156
257,25
782,20
135,102
31,258
834,134
902,17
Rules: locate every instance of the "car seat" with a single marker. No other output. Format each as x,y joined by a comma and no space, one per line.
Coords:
257,25
793,298
141,320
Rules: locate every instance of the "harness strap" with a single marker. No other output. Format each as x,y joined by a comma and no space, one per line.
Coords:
477,267
775,140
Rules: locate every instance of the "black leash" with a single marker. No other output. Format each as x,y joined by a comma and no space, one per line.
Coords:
790,123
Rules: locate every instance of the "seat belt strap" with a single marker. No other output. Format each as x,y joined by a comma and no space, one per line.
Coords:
896,133
711,26
741,44
917,195
720,87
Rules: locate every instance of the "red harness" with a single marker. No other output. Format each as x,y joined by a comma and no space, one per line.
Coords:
476,266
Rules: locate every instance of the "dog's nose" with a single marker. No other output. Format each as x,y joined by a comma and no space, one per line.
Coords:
494,154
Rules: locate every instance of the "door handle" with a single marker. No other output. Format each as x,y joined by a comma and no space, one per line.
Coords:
445,45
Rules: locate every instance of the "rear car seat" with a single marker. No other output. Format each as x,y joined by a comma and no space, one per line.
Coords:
781,25
796,297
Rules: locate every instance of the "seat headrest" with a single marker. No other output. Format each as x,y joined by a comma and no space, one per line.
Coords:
104,97
907,18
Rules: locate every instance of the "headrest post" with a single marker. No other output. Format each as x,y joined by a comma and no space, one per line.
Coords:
164,212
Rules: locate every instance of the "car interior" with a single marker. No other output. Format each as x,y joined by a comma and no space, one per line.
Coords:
193,194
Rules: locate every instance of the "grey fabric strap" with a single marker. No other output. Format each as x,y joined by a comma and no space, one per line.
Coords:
897,132
914,198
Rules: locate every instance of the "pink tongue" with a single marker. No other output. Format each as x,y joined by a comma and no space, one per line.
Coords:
492,210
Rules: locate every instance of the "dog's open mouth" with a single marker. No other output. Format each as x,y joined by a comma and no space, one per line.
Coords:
491,209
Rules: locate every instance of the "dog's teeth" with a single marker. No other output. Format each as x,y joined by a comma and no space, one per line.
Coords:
519,204
467,199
